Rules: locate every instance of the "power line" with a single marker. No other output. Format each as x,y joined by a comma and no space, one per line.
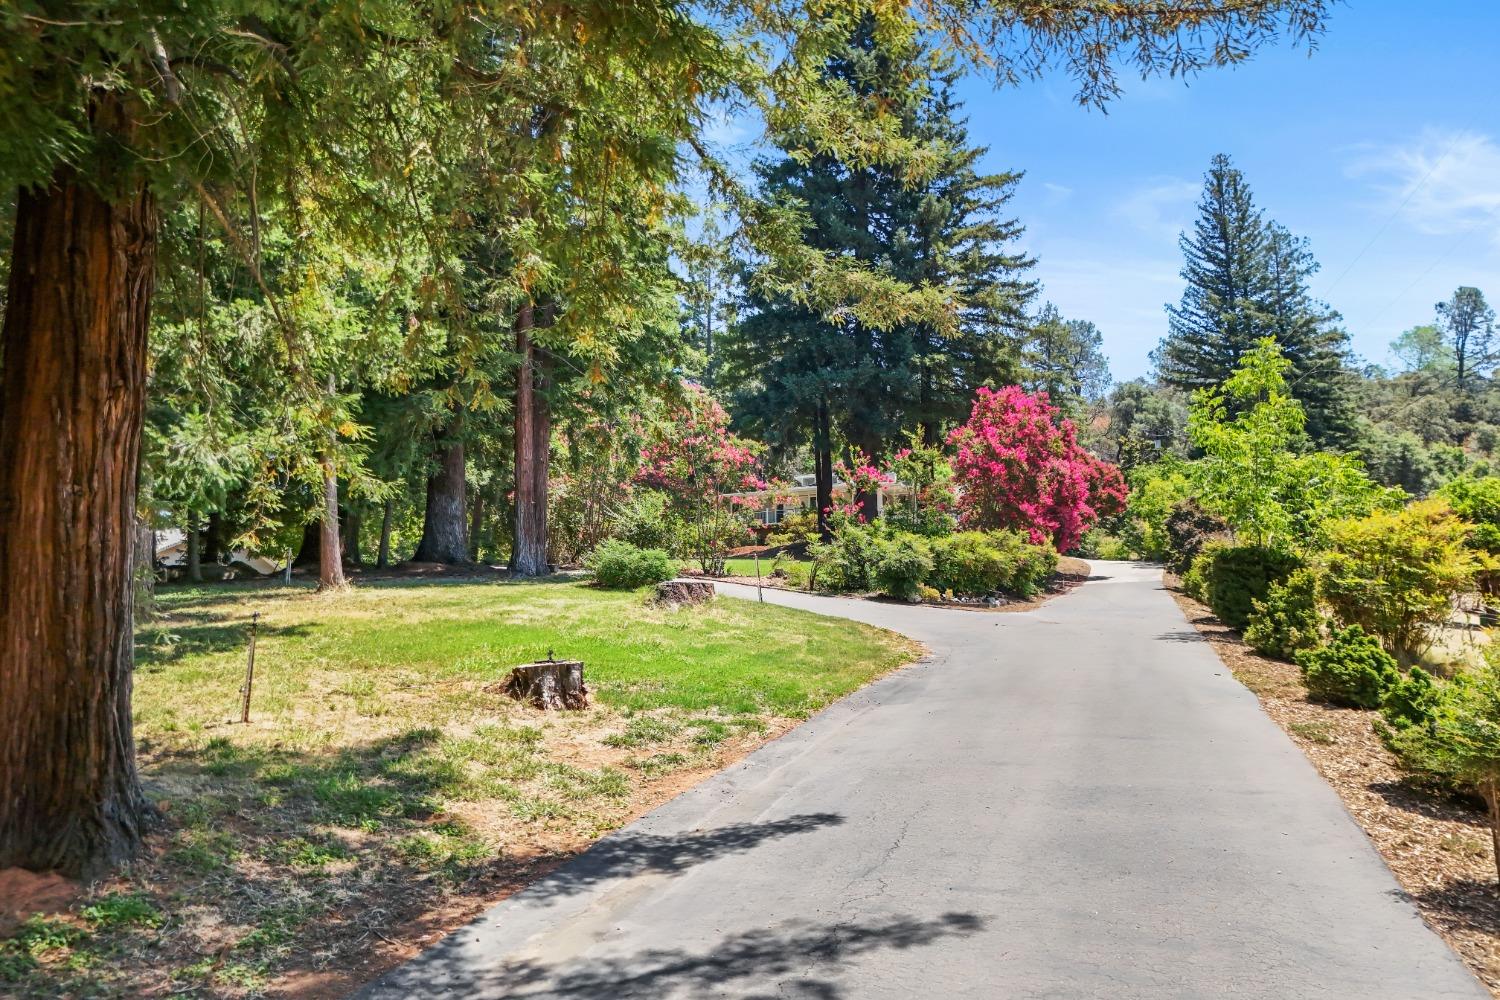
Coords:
1458,137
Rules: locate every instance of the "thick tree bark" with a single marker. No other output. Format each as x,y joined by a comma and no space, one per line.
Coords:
384,559
533,431
72,394
330,559
194,550
444,535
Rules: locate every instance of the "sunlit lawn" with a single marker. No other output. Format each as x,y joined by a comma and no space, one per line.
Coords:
383,773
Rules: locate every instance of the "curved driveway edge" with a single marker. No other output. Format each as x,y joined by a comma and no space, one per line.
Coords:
1076,801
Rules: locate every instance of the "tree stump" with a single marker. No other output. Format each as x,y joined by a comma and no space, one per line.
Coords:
685,592
551,685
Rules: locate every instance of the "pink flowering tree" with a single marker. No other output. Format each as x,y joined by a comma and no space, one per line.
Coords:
699,466
1018,465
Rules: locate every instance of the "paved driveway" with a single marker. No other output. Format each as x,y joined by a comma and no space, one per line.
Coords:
1078,801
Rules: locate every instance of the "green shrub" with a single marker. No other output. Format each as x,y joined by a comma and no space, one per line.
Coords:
1155,490
847,563
794,528
1287,620
1194,580
620,565
1352,670
1455,738
1098,544
1395,573
1411,701
928,521
795,573
644,520
977,563
1189,528
1230,578
905,563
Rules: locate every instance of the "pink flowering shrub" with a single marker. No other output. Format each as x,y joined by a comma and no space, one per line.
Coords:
696,461
1019,466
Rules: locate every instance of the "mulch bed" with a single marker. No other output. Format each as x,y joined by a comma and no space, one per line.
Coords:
1436,844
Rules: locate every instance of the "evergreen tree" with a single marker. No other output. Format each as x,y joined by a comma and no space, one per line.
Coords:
1065,359
1247,279
804,376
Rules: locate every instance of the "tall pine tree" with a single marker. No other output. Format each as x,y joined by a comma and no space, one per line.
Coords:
1247,278
806,377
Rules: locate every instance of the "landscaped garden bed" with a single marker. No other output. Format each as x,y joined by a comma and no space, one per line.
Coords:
386,789
785,573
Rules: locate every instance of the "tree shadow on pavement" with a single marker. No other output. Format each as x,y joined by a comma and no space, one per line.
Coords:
627,854
1183,635
796,959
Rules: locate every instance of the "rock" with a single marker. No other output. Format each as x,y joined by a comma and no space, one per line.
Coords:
675,592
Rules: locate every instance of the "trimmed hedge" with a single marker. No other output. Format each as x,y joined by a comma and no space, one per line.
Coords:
978,563
620,565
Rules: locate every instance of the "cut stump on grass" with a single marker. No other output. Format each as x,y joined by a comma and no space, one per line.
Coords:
551,685
684,592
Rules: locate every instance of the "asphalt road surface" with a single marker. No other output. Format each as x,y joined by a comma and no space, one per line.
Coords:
1077,801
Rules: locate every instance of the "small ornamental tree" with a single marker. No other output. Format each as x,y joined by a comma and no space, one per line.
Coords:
926,471
1397,573
1018,465
862,482
699,466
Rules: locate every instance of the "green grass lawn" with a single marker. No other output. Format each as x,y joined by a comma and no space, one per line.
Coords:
384,776
746,567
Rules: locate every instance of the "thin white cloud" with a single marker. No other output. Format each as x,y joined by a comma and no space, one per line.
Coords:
1056,193
1162,207
1441,183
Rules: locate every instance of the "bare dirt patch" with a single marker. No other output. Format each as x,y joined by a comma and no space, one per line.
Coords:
1437,845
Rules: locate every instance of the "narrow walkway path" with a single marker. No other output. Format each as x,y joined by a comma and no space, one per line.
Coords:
1077,801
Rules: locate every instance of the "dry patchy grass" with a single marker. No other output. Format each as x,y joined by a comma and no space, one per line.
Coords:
385,791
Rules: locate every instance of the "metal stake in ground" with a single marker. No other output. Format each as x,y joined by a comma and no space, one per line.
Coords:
758,592
249,669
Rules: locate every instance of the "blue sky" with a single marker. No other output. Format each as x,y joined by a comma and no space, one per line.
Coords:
1382,147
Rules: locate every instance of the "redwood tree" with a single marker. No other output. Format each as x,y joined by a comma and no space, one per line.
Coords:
443,524
72,398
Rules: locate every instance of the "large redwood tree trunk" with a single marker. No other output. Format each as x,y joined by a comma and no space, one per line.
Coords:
72,395
445,536
533,436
